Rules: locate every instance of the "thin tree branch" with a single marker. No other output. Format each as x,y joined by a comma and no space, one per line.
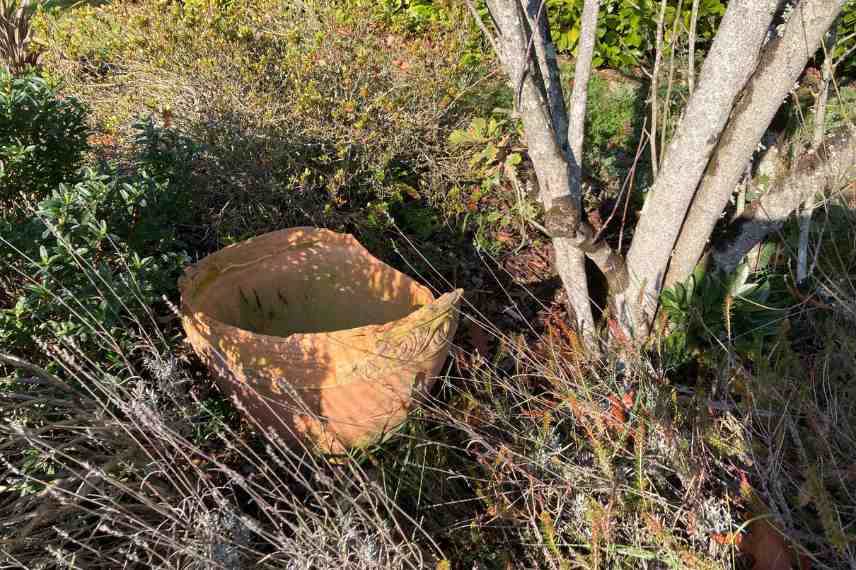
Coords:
667,101
545,52
579,96
817,139
830,167
691,47
658,55
532,36
844,55
484,30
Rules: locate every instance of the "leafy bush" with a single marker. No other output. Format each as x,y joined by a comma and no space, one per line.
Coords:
80,271
613,127
626,28
97,247
42,137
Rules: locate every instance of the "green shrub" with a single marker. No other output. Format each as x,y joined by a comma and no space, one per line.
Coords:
78,273
846,41
97,247
626,28
42,137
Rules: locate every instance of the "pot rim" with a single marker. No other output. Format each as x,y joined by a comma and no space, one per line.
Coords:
191,272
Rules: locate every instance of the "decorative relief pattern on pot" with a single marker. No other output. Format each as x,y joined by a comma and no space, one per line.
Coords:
421,338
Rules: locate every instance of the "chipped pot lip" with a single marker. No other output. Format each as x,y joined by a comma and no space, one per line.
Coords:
193,272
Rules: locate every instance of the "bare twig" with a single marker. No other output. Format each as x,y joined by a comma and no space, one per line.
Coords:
658,55
490,36
691,47
22,364
817,140
527,58
667,101
627,184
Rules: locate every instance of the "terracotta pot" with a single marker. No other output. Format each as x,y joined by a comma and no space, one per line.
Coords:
314,336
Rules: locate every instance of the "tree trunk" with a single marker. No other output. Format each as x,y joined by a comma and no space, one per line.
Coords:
731,61
579,95
782,62
544,116
576,258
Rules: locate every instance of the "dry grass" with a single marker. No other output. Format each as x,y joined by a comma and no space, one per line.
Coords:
539,457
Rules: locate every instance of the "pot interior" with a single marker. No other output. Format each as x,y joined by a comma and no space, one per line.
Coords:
306,282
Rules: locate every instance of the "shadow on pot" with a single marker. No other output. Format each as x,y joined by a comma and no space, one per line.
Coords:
314,336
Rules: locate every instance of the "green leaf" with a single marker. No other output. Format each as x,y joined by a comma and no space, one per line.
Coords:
513,159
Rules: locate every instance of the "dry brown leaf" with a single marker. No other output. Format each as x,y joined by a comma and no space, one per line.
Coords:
769,549
618,408
727,538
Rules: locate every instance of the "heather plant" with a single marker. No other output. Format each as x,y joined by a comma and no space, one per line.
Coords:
345,117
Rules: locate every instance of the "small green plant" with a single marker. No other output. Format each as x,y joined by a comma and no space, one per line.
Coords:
42,137
75,265
714,310
497,206
613,125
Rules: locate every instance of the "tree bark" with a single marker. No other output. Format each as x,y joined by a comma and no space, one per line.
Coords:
782,62
579,95
576,257
545,52
830,167
730,63
549,159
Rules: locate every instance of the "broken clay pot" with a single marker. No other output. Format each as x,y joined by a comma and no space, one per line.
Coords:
314,336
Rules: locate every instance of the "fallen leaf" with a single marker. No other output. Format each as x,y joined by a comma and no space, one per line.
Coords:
628,399
503,236
769,549
618,408
617,417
